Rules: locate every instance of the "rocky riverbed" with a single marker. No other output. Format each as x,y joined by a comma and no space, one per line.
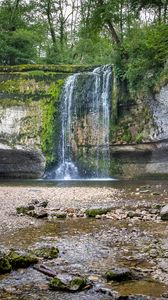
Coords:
98,230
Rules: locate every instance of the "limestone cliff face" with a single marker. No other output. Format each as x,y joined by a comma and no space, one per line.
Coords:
29,117
139,145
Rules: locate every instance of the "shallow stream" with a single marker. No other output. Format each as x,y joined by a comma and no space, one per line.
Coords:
91,247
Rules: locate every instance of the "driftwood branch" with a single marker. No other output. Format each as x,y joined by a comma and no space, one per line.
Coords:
46,271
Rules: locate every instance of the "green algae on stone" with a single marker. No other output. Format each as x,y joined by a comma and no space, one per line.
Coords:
56,284
22,210
46,252
119,274
78,284
93,212
21,261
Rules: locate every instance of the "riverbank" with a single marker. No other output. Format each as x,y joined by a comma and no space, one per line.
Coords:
58,198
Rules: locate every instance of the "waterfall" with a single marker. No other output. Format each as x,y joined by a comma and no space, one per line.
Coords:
85,118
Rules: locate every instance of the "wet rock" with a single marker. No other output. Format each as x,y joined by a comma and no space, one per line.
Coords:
106,291
15,260
38,213
74,285
43,204
120,274
46,252
61,215
93,212
164,213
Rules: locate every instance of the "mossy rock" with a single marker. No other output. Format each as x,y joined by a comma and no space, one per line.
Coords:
5,266
77,284
47,252
22,210
21,261
74,285
93,212
61,215
57,285
119,274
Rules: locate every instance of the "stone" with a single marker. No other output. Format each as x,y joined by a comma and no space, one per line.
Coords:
120,274
43,204
5,266
61,215
18,260
145,191
22,210
164,213
38,213
93,212
74,285
106,291
46,252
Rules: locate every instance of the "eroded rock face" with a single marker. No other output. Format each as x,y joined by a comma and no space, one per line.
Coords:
159,107
140,160
20,163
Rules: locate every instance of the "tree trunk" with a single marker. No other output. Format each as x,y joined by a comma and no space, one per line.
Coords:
50,23
13,15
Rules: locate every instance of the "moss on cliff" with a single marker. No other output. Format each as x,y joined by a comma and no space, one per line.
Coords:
24,86
51,122
46,68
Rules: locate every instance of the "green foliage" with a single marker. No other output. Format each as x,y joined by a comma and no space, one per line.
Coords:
50,122
162,79
93,49
17,47
139,138
147,50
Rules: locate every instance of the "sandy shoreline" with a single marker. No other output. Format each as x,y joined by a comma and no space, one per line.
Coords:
57,197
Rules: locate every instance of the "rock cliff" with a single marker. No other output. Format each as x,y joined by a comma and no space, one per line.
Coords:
30,126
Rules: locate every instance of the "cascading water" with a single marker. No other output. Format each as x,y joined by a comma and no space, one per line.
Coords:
86,97
67,168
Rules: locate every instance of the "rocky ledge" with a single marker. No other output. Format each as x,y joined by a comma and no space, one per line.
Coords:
21,163
140,160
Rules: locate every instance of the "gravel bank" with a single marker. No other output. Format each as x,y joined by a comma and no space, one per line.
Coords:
58,197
